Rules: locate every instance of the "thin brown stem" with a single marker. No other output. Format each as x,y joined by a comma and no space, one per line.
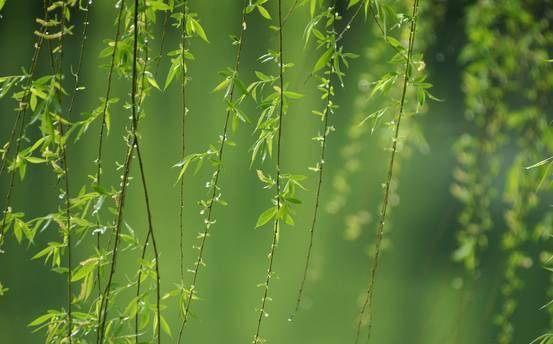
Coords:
367,304
126,171
351,20
217,173
63,152
150,234
184,110
163,36
20,119
276,226
101,140
23,104
327,112
81,58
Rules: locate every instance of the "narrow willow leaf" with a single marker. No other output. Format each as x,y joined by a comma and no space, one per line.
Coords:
266,216
323,60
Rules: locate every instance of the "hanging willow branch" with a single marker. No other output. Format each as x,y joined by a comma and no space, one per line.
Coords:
126,171
367,303
106,102
277,217
184,110
64,163
150,234
329,57
20,119
214,184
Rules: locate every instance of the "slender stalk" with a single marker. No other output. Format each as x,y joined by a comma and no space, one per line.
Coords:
24,102
183,136
126,172
163,35
215,185
290,11
101,137
20,119
150,234
327,112
351,19
367,304
276,226
63,151
81,57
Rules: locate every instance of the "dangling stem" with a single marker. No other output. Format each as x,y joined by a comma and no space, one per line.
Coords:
150,234
81,57
215,185
101,137
24,101
276,226
126,172
183,135
100,151
63,151
367,304
350,21
163,35
327,112
20,119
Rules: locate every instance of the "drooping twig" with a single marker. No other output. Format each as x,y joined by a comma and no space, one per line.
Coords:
23,104
150,233
162,43
20,119
328,110
126,171
150,236
367,303
63,153
101,135
215,184
184,111
81,57
351,19
276,226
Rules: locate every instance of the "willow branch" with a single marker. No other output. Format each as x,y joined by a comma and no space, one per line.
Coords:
276,226
20,119
367,304
183,136
63,151
101,139
150,234
126,172
81,57
327,112
215,185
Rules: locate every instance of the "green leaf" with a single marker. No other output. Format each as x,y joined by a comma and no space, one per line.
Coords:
153,82
171,75
540,163
41,319
222,85
198,29
165,326
292,95
264,12
266,216
352,3
323,60
35,160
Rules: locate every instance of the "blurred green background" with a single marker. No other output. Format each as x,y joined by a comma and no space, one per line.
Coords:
422,296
